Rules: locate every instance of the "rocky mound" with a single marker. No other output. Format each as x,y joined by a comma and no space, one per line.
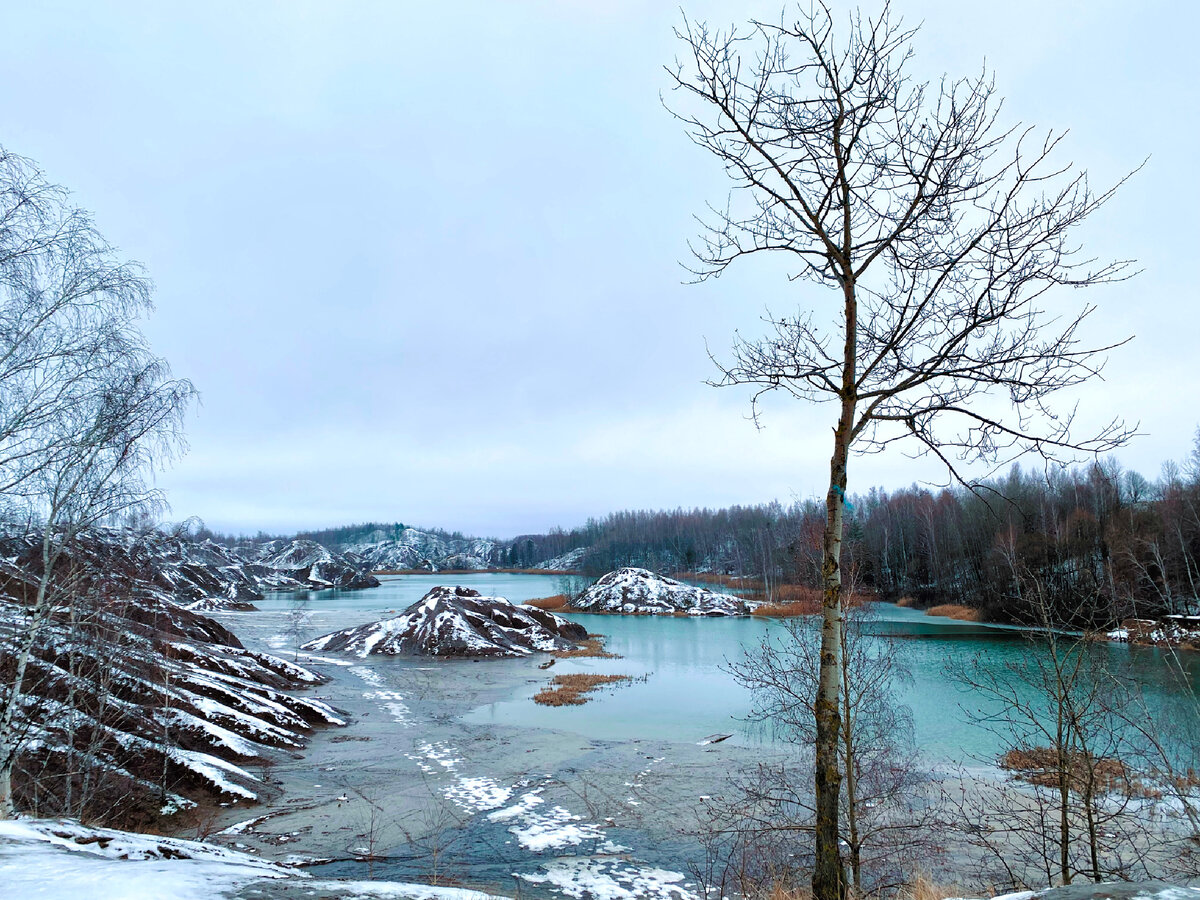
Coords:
420,550
457,621
640,591
133,706
311,566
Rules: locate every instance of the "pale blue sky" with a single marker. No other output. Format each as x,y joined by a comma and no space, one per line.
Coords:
422,260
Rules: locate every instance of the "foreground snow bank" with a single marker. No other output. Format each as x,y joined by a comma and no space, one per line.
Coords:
63,860
1119,890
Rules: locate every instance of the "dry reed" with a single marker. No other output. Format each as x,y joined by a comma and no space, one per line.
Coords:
954,611
592,647
572,690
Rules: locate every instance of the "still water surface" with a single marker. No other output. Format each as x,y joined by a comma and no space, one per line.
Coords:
688,692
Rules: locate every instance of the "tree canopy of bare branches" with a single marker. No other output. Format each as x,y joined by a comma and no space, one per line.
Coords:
943,236
86,410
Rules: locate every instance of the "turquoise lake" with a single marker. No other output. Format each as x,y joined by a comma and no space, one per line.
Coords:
688,693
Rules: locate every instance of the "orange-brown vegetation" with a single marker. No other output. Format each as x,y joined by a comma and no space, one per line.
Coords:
922,887
729,582
1040,766
558,601
919,887
954,611
592,647
907,602
800,600
571,690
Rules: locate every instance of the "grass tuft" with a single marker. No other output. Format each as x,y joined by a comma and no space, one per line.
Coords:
571,690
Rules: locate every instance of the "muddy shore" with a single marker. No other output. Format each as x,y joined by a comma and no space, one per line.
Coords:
409,792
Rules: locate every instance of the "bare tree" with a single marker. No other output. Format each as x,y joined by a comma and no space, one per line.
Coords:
941,232
885,823
1060,711
85,409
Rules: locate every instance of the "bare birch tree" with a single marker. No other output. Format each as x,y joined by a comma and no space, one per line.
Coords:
86,410
942,235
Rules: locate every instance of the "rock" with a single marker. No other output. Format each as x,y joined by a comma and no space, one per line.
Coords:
457,621
636,591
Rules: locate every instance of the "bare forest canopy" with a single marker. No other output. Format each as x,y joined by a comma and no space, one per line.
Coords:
1107,542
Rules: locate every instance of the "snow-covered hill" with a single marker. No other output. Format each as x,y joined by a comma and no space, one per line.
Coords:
209,576
568,561
633,590
457,621
415,549
132,704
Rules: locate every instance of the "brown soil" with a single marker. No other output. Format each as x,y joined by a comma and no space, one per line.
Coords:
571,690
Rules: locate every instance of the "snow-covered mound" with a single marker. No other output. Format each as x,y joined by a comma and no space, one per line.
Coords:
415,549
631,590
133,694
457,621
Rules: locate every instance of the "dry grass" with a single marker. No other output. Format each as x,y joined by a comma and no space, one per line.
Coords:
730,582
922,887
801,600
784,610
571,690
1040,766
954,611
907,602
558,601
592,647
781,890
919,887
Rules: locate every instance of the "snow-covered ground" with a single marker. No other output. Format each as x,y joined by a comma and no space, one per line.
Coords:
62,860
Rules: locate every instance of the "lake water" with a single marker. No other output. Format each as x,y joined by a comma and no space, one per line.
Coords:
688,693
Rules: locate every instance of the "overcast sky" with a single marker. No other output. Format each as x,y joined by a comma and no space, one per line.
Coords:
422,260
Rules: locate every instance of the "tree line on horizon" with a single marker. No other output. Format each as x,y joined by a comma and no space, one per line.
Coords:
1107,542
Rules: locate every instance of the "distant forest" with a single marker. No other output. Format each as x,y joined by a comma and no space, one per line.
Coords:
1097,543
